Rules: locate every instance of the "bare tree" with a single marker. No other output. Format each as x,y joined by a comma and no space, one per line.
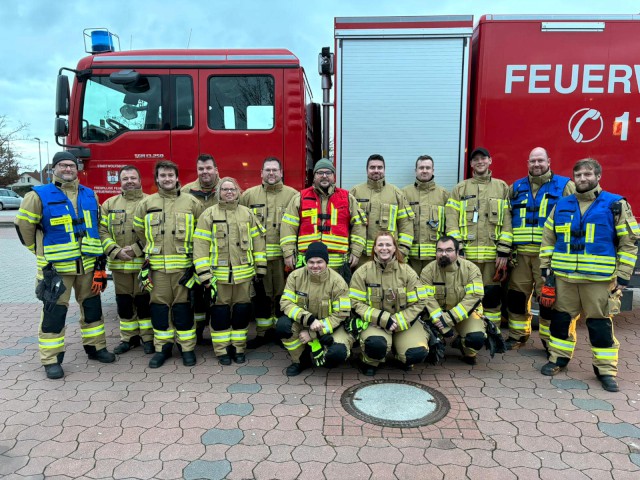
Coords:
9,160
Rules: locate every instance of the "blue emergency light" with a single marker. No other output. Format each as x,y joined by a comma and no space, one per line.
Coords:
100,40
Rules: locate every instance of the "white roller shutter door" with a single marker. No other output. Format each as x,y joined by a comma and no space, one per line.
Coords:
401,98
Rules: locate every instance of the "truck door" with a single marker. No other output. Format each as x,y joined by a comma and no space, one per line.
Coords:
241,119
184,108
122,125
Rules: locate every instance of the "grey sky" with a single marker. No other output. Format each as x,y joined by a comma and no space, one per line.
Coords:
40,36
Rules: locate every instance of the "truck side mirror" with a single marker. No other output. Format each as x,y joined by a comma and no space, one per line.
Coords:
60,127
62,95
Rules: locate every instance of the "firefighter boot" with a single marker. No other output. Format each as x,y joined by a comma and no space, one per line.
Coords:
609,383
54,371
159,358
148,347
125,346
188,358
550,369
103,355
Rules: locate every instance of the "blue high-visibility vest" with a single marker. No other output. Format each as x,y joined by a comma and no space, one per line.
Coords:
585,243
67,235
528,214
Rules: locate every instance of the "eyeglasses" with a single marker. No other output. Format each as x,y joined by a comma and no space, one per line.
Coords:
447,250
324,173
225,190
67,166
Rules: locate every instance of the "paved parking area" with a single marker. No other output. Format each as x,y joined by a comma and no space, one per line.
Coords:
124,420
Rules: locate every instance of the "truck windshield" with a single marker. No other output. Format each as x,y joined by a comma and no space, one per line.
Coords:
109,109
241,102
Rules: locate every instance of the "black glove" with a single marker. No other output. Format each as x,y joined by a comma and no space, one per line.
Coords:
326,340
310,320
50,288
494,342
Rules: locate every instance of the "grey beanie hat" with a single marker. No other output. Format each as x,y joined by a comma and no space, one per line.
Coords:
324,163
60,156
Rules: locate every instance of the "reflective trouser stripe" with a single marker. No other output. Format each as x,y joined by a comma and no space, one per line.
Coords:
520,327
128,325
51,342
199,317
543,328
185,335
292,344
239,339
494,317
609,354
264,322
563,348
145,324
221,339
92,331
163,336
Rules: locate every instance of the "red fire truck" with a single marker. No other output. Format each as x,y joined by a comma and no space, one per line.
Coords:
404,86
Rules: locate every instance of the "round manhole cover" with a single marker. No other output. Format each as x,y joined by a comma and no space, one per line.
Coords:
395,403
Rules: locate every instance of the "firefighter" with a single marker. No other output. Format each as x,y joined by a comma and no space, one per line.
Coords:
427,201
229,251
323,213
58,222
532,199
454,297
268,202
164,223
589,243
478,216
204,190
386,208
315,302
387,294
124,259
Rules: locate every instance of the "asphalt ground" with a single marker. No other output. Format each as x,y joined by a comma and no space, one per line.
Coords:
124,420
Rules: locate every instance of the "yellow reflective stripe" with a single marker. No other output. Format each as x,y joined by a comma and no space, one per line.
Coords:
28,216
627,258
87,219
293,344
92,331
128,325
401,320
564,345
221,337
57,342
326,326
436,313
590,232
239,335
185,335
291,219
610,354
295,313
357,294
145,324
148,233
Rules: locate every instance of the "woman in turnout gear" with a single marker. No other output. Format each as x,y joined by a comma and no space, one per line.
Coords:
454,296
124,259
388,296
590,244
315,302
164,223
229,251
58,222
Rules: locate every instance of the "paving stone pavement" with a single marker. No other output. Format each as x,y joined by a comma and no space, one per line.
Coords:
124,420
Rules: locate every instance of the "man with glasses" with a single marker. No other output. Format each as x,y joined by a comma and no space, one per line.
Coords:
532,200
268,202
204,190
58,222
324,213
454,296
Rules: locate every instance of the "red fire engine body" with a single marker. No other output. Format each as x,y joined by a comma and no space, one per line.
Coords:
404,86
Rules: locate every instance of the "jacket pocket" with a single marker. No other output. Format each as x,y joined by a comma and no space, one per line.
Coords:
496,211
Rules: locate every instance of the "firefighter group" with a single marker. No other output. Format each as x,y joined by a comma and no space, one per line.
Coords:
378,272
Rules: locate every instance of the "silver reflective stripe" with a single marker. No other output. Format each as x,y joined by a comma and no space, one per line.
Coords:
261,57
163,58
403,32
378,20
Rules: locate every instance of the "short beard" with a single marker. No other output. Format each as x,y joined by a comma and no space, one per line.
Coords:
444,262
